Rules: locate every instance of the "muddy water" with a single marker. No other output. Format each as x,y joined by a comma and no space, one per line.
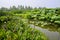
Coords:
50,34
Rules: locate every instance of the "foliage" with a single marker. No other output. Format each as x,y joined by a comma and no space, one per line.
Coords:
12,27
45,17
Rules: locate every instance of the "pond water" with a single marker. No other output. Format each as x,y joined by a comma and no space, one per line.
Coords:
52,35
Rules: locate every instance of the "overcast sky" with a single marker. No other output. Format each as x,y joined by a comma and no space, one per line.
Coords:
33,3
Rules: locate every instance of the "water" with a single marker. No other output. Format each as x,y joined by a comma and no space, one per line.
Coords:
50,34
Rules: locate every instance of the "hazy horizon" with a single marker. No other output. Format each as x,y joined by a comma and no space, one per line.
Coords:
32,3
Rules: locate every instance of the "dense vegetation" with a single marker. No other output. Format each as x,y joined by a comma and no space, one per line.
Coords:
16,29
44,17
13,27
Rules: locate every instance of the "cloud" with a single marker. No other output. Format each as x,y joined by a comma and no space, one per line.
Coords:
33,3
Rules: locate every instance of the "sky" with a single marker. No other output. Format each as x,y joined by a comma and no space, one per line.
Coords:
32,3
